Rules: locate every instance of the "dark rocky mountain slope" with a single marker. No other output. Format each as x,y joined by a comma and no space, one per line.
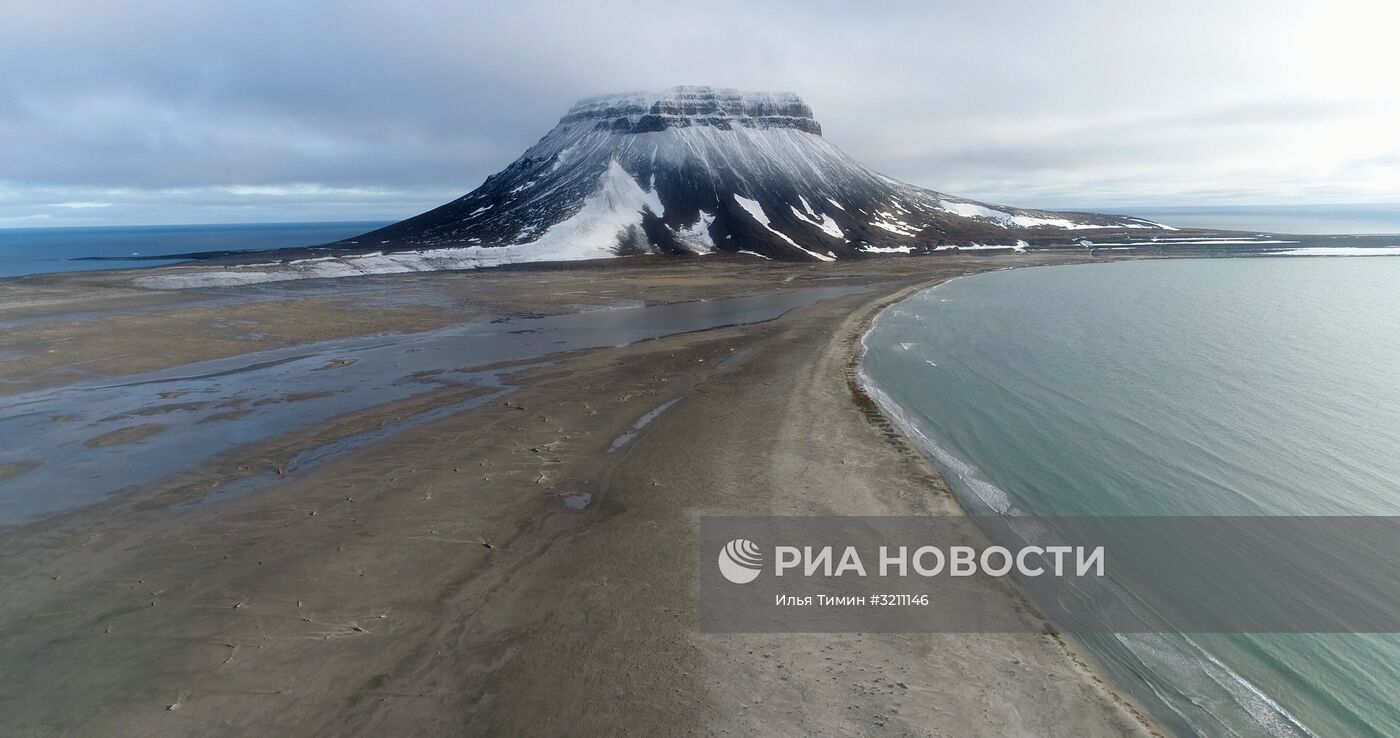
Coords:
691,170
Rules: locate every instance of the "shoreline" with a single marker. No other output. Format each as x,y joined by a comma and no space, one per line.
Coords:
1195,684
867,396
223,268
442,579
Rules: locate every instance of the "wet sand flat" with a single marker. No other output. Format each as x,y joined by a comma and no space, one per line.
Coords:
129,434
519,565
16,468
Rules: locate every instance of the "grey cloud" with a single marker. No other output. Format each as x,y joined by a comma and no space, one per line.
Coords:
410,103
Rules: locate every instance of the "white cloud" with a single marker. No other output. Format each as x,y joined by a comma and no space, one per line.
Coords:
22,204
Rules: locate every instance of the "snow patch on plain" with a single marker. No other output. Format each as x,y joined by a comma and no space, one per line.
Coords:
1202,242
1019,246
887,249
1340,251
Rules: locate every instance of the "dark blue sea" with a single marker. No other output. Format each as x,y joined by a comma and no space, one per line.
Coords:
41,250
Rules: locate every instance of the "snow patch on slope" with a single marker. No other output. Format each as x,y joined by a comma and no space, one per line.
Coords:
756,212
894,224
594,231
696,236
1007,220
828,227
612,212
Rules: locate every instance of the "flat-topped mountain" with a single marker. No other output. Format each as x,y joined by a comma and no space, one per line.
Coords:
641,112
693,170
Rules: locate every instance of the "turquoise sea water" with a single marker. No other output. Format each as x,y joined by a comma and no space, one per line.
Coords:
1204,387
41,250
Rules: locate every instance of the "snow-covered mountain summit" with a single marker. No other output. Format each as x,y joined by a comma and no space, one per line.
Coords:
692,170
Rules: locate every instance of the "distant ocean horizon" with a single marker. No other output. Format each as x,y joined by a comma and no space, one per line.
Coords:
45,250
1315,220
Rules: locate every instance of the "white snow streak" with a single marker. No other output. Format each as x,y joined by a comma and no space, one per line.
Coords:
1341,251
828,227
756,212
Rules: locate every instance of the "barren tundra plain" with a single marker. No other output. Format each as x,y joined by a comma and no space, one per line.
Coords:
508,558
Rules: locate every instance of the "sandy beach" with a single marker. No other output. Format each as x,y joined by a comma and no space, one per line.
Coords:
523,566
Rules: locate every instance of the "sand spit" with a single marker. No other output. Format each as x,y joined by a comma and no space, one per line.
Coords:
497,570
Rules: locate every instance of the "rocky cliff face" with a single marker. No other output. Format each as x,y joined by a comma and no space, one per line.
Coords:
682,107
693,170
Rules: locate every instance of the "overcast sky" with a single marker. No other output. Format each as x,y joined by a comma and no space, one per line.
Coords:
188,112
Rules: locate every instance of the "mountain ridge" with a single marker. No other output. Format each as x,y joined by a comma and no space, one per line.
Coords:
714,169
687,172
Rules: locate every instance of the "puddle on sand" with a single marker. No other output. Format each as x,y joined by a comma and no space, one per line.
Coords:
578,501
641,424
368,291
283,392
732,360
340,447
